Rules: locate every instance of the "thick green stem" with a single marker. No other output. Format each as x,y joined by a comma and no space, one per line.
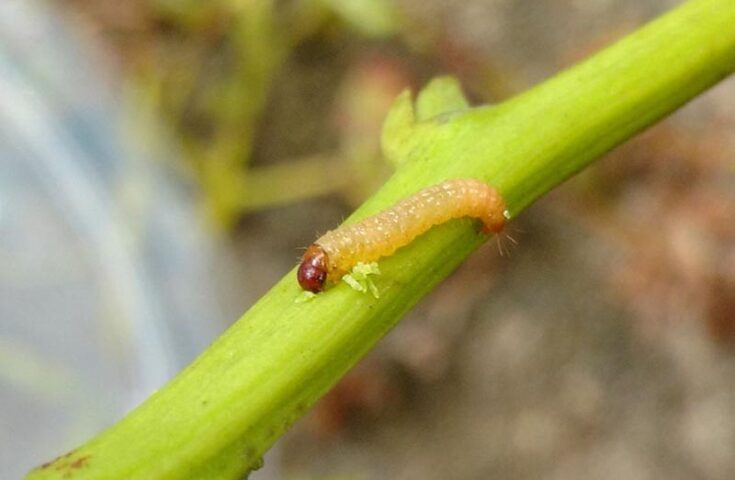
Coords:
218,416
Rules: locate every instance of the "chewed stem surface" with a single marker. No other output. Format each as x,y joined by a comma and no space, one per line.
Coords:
337,251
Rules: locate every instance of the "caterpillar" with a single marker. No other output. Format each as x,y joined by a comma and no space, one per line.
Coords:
336,252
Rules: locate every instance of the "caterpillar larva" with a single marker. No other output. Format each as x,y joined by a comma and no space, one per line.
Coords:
337,251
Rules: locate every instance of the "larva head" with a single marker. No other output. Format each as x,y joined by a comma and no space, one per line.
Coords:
312,273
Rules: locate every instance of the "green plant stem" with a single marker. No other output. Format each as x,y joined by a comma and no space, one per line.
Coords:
218,416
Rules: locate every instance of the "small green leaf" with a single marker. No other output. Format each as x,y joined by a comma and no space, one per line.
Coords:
398,128
441,96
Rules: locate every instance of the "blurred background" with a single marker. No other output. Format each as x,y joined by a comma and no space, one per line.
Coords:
161,162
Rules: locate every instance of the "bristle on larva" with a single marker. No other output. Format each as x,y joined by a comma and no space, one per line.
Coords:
337,251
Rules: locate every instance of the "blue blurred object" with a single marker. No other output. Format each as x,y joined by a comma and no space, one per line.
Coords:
106,277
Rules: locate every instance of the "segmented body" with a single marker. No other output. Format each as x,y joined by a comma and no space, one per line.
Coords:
380,235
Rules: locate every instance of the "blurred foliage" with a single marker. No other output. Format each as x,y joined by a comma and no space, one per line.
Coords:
211,70
208,68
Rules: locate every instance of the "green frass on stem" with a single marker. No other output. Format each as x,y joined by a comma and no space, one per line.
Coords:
219,415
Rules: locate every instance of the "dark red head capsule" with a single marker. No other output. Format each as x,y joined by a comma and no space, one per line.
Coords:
312,273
